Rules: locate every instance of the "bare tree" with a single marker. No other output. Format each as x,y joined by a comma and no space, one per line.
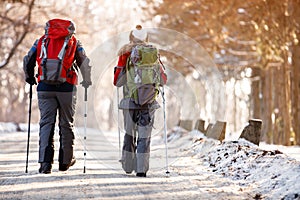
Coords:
15,21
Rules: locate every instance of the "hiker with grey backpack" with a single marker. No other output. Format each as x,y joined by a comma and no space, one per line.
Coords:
59,56
140,74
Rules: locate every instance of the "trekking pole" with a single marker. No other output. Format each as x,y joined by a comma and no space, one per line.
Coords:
85,124
119,131
165,131
165,121
29,119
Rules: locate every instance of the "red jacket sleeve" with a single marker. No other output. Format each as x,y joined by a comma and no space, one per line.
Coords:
121,64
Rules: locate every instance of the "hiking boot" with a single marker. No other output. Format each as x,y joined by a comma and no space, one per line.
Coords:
141,174
65,167
45,168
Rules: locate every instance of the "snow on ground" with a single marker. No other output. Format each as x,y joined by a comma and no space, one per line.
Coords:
8,127
271,173
201,168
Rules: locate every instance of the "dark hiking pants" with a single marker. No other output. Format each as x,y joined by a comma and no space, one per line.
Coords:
136,148
51,102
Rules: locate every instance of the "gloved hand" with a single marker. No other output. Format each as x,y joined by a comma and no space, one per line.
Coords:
86,84
31,80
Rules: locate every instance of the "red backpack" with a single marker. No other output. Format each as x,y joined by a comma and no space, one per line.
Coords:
56,53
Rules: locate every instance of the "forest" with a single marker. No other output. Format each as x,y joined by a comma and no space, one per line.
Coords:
240,59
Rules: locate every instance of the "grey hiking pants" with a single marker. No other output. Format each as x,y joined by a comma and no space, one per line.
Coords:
51,102
136,148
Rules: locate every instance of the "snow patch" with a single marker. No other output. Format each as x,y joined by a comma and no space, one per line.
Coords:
275,174
9,127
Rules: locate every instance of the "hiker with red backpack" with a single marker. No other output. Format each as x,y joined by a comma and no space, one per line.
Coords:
140,74
59,56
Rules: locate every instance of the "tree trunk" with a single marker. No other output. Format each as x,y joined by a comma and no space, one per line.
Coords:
267,129
295,93
277,102
287,104
256,94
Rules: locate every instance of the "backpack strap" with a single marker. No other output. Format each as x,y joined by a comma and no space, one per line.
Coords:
129,65
43,55
61,55
63,49
126,88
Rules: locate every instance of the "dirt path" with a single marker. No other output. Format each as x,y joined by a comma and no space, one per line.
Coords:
104,178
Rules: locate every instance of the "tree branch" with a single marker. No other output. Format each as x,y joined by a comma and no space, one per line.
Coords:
19,41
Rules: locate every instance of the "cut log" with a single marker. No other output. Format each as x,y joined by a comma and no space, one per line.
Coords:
217,131
200,125
252,131
186,124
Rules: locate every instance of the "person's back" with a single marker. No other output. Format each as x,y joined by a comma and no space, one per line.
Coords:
138,104
58,55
